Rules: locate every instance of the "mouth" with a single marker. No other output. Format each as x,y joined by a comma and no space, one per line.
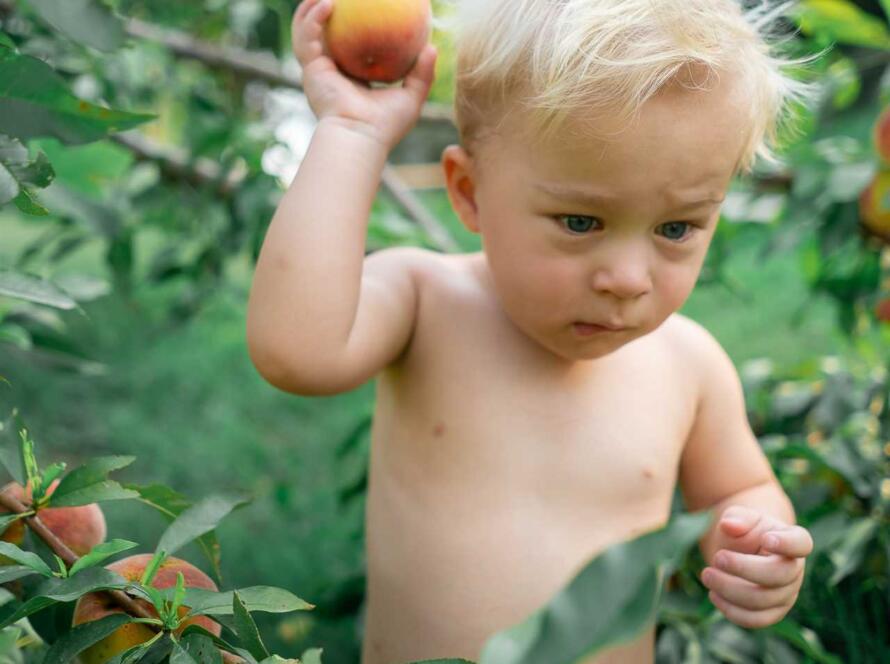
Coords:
589,329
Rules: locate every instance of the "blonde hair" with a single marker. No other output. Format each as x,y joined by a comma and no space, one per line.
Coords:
562,60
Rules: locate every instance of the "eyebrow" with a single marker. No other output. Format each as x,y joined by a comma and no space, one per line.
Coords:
596,198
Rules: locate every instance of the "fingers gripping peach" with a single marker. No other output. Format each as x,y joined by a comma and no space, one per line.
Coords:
81,527
378,40
94,606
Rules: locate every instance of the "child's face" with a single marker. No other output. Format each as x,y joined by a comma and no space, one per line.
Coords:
630,259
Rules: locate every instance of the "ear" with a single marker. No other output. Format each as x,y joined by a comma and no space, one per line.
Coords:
461,184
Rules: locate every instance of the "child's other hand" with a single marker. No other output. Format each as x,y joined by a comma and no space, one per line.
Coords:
386,114
758,567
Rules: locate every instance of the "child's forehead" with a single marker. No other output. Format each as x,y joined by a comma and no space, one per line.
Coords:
695,136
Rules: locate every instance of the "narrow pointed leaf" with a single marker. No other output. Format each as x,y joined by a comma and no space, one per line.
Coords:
18,171
246,628
7,519
267,599
50,475
83,636
55,590
35,101
100,552
92,472
200,518
26,558
220,642
29,460
610,600
33,289
181,656
151,569
201,649
171,504
94,493
13,572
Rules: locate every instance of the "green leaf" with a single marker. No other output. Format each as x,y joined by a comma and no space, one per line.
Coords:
151,569
438,661
10,455
200,648
26,558
219,642
35,101
255,598
49,476
26,202
17,170
12,572
83,636
198,519
86,169
153,650
246,628
5,41
805,640
91,478
100,552
7,519
54,590
84,21
848,555
171,504
94,493
609,601
179,595
841,21
33,289
29,462
313,656
181,656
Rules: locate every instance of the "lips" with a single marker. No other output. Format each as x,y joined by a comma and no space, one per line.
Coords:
587,329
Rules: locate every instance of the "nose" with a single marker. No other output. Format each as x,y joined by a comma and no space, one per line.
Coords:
624,274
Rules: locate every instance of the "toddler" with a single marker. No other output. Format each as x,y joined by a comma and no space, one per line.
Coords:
540,400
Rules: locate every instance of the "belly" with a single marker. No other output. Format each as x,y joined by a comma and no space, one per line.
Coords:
453,559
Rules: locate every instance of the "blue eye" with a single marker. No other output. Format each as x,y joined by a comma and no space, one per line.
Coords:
676,230
576,223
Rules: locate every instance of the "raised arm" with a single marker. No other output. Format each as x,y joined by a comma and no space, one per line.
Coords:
321,318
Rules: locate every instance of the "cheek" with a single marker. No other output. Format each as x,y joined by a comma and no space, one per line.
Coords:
675,285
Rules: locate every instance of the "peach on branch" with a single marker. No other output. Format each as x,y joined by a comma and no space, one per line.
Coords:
882,310
377,40
94,606
80,527
874,205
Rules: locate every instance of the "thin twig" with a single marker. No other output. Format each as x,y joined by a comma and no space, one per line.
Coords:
61,549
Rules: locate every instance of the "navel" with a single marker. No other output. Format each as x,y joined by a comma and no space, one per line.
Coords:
648,473
439,430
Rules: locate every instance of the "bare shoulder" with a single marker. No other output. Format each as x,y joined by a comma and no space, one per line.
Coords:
696,348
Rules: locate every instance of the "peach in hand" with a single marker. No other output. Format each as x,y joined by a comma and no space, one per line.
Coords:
377,40
94,606
81,527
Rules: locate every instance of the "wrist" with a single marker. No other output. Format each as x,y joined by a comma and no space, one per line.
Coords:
357,129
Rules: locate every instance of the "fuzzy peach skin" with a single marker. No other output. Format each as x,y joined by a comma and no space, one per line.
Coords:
377,40
94,606
81,527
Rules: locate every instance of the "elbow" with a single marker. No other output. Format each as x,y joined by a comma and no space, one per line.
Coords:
305,378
